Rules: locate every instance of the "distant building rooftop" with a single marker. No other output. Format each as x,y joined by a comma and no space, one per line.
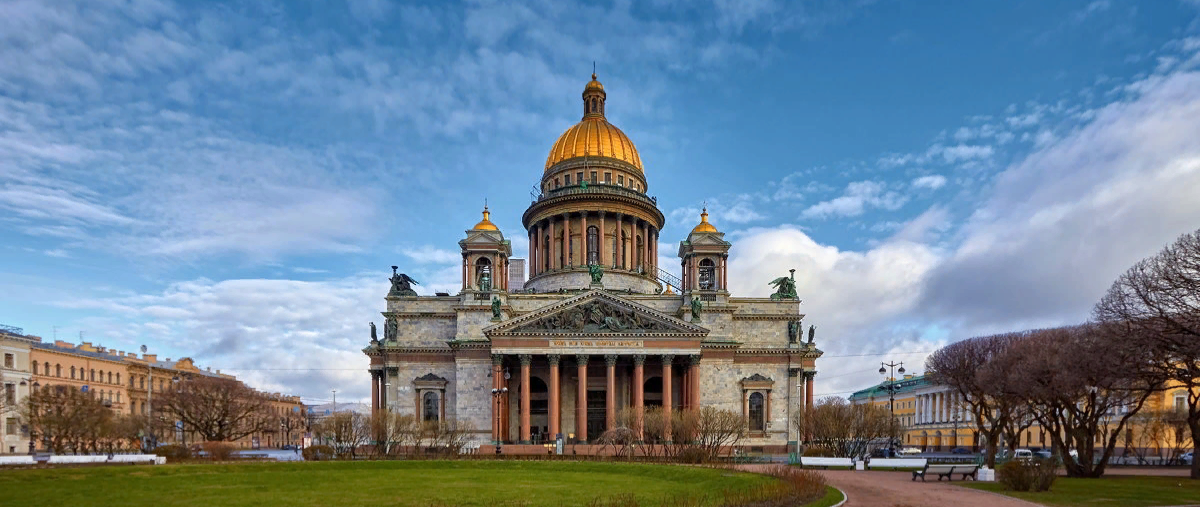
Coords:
903,385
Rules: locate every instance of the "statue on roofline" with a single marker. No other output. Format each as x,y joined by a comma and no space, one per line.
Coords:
374,337
696,306
597,273
811,331
785,287
401,284
495,308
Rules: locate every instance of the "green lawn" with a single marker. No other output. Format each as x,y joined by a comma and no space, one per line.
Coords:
377,484
831,498
1117,490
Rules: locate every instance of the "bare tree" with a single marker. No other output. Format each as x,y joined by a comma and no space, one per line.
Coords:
449,437
1157,302
344,431
847,429
217,409
973,369
66,418
391,431
1082,388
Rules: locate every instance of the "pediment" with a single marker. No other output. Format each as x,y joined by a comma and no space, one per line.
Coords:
699,239
596,312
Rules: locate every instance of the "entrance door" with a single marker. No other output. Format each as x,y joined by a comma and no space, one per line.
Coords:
596,414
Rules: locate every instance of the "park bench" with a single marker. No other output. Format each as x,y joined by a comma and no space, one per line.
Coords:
946,470
897,463
132,458
806,461
8,461
76,460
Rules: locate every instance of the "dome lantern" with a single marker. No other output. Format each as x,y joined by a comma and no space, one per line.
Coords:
704,226
593,99
485,224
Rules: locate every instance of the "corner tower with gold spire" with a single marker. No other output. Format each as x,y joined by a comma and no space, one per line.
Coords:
592,208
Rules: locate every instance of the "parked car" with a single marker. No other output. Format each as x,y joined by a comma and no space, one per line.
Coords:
1186,458
1023,454
960,450
1043,454
909,451
883,452
288,447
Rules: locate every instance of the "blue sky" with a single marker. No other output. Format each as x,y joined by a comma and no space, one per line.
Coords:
230,181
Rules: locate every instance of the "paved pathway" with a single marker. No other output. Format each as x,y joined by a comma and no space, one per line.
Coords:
897,489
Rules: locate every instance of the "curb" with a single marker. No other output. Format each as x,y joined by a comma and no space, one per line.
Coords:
845,497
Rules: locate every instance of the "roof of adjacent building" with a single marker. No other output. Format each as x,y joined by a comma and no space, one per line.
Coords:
904,385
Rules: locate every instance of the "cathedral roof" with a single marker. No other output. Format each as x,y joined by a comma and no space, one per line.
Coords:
594,136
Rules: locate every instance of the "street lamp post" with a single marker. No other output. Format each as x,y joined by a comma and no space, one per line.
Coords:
497,395
892,386
334,400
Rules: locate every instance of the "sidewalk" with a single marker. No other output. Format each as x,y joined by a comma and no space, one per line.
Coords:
897,489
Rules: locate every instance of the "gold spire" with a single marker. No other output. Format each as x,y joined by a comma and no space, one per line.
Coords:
704,226
485,224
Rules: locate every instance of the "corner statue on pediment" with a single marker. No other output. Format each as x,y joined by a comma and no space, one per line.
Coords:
597,273
495,308
374,336
401,284
812,330
785,287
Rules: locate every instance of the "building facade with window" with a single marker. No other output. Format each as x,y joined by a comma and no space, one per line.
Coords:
15,379
935,419
598,327
99,371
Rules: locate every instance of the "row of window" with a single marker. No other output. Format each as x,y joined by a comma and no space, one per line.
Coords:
105,395
608,180
89,375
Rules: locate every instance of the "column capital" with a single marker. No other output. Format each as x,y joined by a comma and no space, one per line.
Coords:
808,375
639,359
610,359
526,359
553,358
667,359
582,359
694,360
497,359
794,372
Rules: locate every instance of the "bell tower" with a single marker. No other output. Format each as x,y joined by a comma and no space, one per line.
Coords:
485,255
704,257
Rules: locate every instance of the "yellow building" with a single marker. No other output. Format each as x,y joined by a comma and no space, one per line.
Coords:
15,382
96,370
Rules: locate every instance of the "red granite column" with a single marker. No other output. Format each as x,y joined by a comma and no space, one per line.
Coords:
666,395
555,415
694,380
555,246
581,400
496,384
525,434
610,399
639,394
374,390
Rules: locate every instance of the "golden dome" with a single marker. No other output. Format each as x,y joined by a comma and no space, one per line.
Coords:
704,226
594,136
485,224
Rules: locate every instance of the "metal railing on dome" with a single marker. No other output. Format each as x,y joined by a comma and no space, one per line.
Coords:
598,188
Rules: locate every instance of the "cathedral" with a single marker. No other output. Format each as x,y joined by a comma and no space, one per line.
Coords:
599,327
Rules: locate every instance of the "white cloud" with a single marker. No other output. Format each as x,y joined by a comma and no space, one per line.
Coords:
858,196
932,182
57,252
961,152
431,254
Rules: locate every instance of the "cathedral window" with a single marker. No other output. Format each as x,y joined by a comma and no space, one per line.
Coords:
707,275
555,182
594,105
567,179
430,407
608,178
641,261
593,245
570,251
483,274
579,177
620,180
546,253
624,242
757,416
593,176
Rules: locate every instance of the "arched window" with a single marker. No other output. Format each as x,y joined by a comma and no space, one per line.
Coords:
593,105
430,407
72,372
57,370
118,377
707,275
483,274
92,375
593,245
757,419
142,382
102,375
35,368
110,377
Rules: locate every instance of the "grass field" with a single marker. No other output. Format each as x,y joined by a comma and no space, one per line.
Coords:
378,483
1117,490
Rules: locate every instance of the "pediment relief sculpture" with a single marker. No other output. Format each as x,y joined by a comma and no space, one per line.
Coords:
597,317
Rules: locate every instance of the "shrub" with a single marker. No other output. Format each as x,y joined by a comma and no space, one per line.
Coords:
218,451
318,453
173,452
1027,475
817,451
